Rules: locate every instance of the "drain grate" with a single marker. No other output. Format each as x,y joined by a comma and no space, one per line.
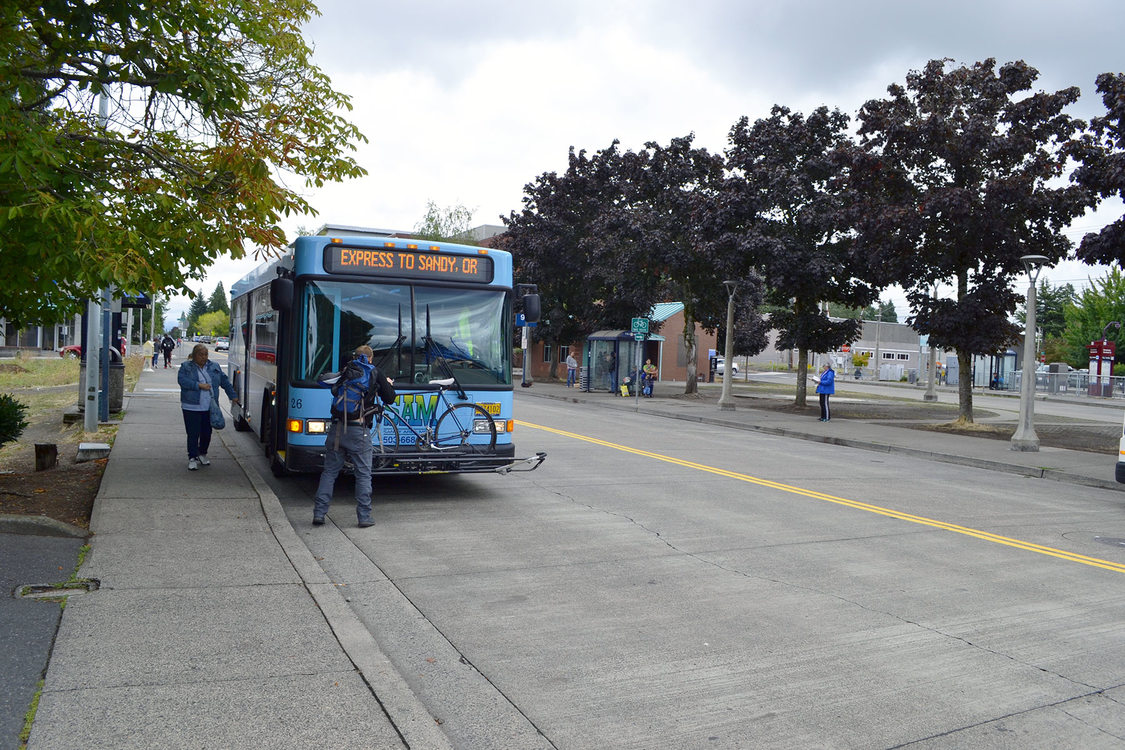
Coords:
54,591
1112,541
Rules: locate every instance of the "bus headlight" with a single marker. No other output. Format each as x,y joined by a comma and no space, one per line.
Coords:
316,426
480,426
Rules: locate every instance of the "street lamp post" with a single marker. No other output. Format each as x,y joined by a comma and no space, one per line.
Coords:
931,386
1025,438
726,402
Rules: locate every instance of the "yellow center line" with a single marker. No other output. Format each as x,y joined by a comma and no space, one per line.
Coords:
985,535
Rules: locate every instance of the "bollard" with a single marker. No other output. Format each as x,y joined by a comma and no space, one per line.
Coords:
46,456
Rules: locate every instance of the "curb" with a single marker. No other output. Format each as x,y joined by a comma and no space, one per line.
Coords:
949,458
39,526
407,714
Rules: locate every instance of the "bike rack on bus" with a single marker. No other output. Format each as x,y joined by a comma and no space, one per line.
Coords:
521,464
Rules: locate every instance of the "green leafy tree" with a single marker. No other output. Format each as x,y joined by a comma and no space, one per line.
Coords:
196,311
216,323
793,193
1100,304
959,179
885,312
452,223
1056,349
1050,307
12,418
218,300
208,107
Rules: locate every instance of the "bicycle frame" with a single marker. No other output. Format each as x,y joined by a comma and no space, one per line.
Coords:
448,433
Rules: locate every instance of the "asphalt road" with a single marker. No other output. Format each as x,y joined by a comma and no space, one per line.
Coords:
665,584
27,626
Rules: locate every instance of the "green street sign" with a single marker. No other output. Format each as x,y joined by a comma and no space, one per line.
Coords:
639,336
640,325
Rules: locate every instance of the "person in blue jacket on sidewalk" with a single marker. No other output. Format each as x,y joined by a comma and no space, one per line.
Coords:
200,380
826,386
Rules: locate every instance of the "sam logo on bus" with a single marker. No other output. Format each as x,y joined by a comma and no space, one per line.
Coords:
417,408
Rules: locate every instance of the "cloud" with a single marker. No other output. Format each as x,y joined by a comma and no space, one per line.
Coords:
465,103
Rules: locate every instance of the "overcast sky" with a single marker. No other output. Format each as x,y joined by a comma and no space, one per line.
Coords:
465,103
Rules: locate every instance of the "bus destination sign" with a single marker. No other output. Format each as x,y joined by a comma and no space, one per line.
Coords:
413,264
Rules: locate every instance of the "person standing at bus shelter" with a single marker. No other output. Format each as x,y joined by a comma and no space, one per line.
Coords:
571,369
350,439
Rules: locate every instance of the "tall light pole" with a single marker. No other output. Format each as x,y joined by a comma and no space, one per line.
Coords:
931,386
726,402
1025,438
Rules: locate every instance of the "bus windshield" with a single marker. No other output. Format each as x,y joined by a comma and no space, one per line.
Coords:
466,337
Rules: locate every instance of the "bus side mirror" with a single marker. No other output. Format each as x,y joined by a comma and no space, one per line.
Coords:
281,294
531,309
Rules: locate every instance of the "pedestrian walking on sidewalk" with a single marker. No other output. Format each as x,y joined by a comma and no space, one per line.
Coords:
167,344
571,370
200,380
825,386
349,436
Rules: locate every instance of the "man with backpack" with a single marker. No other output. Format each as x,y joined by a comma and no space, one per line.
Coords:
167,344
354,389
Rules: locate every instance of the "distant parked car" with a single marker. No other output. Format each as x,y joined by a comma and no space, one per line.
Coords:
720,366
74,351
222,344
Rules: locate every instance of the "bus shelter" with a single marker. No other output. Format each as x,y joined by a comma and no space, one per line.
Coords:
611,356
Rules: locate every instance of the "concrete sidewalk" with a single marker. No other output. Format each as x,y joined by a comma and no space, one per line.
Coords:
1074,466
212,626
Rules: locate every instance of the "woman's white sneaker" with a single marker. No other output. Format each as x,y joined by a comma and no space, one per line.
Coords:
204,460
192,464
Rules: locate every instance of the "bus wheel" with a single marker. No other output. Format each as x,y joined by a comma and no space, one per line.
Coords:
266,435
240,423
276,467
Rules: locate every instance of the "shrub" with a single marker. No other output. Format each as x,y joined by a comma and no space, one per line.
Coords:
12,423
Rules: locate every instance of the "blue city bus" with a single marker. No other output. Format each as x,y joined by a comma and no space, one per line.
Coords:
433,312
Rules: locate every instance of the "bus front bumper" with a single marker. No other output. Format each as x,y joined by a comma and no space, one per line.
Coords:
303,459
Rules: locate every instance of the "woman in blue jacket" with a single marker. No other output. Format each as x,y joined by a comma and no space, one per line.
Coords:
200,380
826,386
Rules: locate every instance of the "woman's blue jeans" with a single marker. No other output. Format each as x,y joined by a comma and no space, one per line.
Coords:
198,424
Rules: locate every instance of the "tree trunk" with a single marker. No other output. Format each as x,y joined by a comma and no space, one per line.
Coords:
554,372
802,376
964,363
692,384
965,387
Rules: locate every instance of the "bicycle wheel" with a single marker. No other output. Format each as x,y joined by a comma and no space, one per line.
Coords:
384,442
455,427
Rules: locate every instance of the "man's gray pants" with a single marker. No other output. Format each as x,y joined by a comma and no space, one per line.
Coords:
355,446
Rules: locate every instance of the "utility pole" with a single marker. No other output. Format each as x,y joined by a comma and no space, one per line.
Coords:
92,353
94,333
